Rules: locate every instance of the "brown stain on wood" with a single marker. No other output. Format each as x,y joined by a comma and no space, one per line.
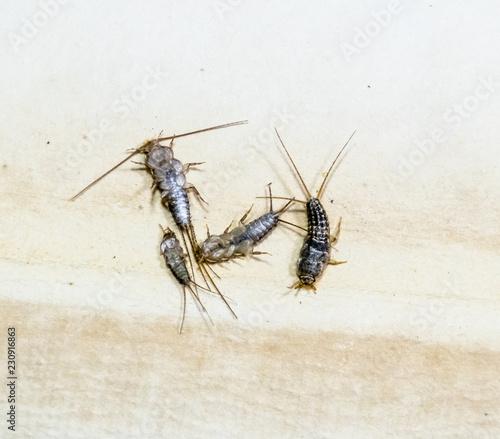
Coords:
137,374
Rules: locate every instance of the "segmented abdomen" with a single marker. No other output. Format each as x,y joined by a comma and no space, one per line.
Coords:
315,253
169,178
175,258
239,241
258,229
178,204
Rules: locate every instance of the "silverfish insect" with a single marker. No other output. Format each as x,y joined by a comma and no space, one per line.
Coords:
169,179
146,147
315,252
168,176
175,258
240,241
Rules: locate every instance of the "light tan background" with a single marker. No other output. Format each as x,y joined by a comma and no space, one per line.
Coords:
400,342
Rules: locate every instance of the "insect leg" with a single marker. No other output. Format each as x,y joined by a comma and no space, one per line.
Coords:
270,197
298,285
187,166
191,186
332,262
260,253
335,237
138,163
244,217
227,228
286,206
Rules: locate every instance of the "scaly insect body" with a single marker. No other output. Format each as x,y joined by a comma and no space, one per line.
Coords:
169,178
256,230
315,252
168,175
240,241
175,258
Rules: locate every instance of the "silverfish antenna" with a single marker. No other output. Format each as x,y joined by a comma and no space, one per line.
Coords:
331,167
295,167
144,149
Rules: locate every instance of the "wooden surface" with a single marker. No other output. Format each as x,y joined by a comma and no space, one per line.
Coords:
400,342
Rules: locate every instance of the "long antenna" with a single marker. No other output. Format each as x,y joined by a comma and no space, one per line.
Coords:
203,268
144,149
286,198
286,206
226,125
331,167
85,189
204,272
197,300
183,308
296,170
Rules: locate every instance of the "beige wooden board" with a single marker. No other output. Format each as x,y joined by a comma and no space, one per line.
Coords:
400,342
